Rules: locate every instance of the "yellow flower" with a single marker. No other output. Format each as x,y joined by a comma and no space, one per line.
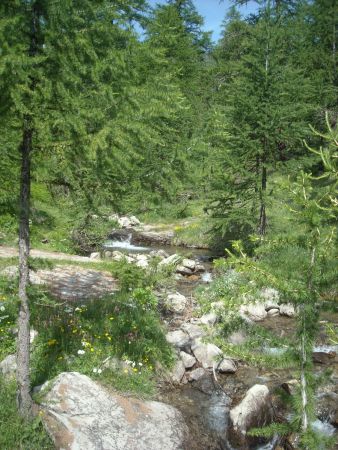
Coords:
92,349
134,370
51,342
111,318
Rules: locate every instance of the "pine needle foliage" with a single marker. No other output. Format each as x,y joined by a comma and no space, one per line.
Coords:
302,268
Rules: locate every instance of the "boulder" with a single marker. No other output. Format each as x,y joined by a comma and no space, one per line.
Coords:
159,254
188,360
206,354
208,319
134,221
154,237
272,312
95,255
170,260
177,338
287,309
194,331
227,365
124,222
189,264
178,372
81,414
176,303
254,410
253,311
323,357
143,263
8,366
199,268
184,270
117,256
197,374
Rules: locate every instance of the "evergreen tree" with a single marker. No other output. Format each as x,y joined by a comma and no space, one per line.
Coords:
59,65
268,103
300,265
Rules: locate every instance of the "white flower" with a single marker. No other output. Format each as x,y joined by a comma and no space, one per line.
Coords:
99,370
95,370
77,309
140,364
2,308
81,352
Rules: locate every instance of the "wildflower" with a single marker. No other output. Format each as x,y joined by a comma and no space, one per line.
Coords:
2,308
125,371
92,349
51,342
135,369
140,364
81,352
111,318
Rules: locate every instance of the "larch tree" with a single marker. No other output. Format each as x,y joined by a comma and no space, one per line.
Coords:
59,62
267,102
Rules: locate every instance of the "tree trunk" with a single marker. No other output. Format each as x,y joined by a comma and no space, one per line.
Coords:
23,345
303,355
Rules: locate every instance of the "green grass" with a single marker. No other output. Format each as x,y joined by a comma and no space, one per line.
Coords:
80,337
15,433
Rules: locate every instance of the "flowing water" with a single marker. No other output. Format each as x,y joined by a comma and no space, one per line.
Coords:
204,404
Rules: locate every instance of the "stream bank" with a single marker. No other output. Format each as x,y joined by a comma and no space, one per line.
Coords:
206,401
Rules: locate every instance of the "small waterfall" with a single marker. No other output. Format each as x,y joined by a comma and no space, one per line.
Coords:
125,245
206,277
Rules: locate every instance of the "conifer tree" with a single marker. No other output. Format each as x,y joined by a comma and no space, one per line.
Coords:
300,265
59,65
268,103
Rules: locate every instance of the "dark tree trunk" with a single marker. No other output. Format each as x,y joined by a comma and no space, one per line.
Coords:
23,345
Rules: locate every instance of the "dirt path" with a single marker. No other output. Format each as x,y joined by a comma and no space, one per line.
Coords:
10,252
66,282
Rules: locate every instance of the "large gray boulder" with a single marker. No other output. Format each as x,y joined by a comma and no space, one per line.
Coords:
253,312
176,303
80,414
178,338
254,410
206,354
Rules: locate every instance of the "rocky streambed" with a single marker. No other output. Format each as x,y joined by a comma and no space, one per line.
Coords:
221,397
213,399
